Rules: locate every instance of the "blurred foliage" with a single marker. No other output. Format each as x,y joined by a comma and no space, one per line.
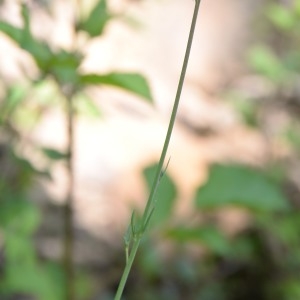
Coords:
274,61
260,261
22,106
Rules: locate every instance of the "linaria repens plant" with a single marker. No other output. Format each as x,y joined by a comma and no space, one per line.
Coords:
137,228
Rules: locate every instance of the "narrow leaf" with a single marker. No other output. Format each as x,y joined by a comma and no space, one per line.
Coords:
96,21
130,82
13,32
54,154
166,195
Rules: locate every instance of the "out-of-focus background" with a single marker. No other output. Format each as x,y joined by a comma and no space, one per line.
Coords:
227,223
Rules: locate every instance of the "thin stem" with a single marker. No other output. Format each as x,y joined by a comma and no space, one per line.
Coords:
68,254
151,200
127,269
68,208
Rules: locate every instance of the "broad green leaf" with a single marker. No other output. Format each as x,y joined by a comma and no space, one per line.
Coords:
95,23
165,197
130,82
209,236
265,62
282,17
237,185
54,154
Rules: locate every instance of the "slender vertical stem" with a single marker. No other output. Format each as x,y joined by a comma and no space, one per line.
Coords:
151,200
127,269
68,208
68,255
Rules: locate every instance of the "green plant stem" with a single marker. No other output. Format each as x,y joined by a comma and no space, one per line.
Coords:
151,200
127,269
68,207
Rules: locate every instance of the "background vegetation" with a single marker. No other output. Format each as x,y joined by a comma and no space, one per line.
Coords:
204,262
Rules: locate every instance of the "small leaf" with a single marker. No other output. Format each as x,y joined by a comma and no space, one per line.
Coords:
166,195
282,17
97,20
240,186
63,65
209,236
265,62
54,154
85,105
130,82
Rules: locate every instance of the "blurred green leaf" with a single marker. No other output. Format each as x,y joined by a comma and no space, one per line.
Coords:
40,52
13,32
19,249
83,104
19,216
286,228
63,65
287,289
292,61
239,186
131,82
247,108
150,262
213,291
209,236
54,154
265,62
297,8
292,135
15,95
27,170
281,16
30,280
95,23
166,196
